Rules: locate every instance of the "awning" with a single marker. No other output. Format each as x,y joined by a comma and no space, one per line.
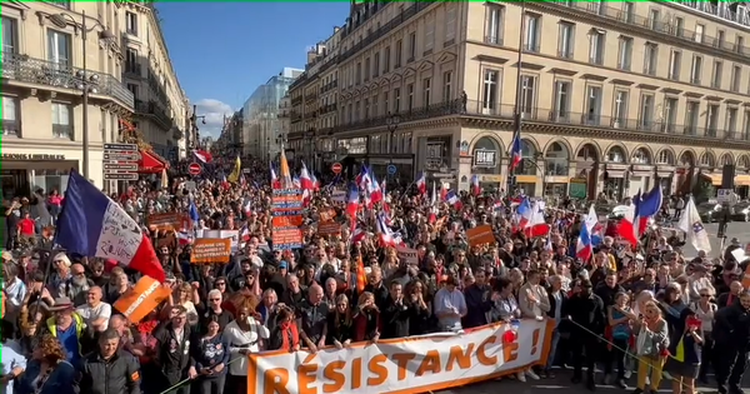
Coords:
151,163
715,179
742,180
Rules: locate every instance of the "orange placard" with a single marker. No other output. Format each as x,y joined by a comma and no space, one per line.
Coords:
287,221
139,301
211,250
289,237
480,235
165,221
326,215
329,228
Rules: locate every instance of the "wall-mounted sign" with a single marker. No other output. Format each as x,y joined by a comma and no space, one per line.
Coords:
485,158
35,156
464,149
434,155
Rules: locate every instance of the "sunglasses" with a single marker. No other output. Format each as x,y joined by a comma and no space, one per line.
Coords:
705,295
215,299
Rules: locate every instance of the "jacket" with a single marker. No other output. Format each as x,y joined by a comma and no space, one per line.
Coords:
732,327
118,375
81,332
529,309
61,379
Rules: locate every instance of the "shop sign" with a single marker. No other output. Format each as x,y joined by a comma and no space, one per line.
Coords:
491,178
485,158
434,155
464,149
35,156
578,188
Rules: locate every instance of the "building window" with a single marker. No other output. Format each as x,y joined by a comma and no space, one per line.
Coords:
376,65
692,112
654,19
562,101
60,3
620,118
712,120
427,92
367,69
386,60
494,24
720,39
716,75
739,42
58,49
731,122
396,100
410,98
133,88
746,128
593,105
399,53
10,115
386,102
532,34
679,27
665,157
651,55
131,62
675,62
696,69
565,40
528,94
596,46
736,77
375,106
450,23
628,11
367,108
699,29
131,23
489,97
429,35
10,35
412,46
625,53
358,75
62,121
447,84
670,114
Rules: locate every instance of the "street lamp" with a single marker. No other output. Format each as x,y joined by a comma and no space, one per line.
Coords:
392,122
86,83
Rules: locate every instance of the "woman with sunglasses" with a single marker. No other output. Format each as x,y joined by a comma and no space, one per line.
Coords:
705,309
340,323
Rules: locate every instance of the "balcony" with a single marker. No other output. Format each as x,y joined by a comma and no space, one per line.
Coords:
151,109
548,116
329,86
22,68
616,14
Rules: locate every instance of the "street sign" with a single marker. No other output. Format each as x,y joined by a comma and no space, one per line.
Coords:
724,196
336,168
392,169
120,167
194,169
117,156
121,176
125,147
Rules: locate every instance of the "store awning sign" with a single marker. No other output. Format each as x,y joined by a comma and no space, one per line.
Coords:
485,158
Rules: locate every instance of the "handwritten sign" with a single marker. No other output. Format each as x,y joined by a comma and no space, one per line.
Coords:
407,255
211,250
480,235
287,238
120,236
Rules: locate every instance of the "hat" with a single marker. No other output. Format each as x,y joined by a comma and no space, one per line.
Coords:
283,265
61,304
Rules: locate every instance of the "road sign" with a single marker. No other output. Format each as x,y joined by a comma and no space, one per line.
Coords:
131,176
118,156
120,167
392,169
194,169
724,196
336,168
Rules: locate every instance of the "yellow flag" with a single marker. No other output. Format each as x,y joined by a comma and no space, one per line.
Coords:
234,177
285,174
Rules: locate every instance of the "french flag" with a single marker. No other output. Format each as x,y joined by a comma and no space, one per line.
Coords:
203,156
591,222
296,183
475,188
358,235
275,181
387,237
583,247
373,188
421,184
452,199
515,151
93,225
524,213
635,221
184,238
433,205
306,181
352,204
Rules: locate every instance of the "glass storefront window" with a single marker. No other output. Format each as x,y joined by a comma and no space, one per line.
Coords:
556,160
50,180
528,154
556,189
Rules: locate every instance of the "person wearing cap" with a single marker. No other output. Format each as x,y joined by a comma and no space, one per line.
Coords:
68,327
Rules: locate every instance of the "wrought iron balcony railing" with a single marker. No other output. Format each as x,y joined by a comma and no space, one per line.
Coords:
154,110
26,69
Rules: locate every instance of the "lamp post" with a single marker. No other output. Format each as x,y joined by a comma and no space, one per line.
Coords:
392,122
85,82
517,110
194,127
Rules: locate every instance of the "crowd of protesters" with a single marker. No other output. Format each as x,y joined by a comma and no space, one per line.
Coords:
646,310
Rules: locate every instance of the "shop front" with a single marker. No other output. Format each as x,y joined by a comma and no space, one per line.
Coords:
615,181
486,164
641,178
23,173
666,175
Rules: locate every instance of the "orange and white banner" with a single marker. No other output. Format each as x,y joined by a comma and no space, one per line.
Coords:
404,366
143,298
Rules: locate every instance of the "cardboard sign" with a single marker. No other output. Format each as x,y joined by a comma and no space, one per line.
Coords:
407,255
143,298
287,238
329,229
211,250
327,215
165,221
233,236
480,235
288,221
338,196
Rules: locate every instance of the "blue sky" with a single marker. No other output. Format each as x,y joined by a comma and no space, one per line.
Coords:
223,51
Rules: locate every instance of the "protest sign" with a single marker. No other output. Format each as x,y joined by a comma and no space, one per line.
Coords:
211,250
405,365
143,298
165,221
329,229
407,255
480,235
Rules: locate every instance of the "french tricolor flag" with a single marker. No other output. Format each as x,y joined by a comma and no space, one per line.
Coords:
583,247
475,188
515,151
93,225
452,199
184,238
373,188
306,181
421,184
352,204
275,182
203,156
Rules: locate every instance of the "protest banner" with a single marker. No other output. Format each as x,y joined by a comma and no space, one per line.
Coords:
407,365
165,221
480,235
338,196
287,206
143,298
407,255
211,250
329,229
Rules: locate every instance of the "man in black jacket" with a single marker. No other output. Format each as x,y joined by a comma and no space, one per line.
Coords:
110,370
396,314
731,333
173,351
588,317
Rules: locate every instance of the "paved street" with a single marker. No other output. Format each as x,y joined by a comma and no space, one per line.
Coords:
560,385
739,230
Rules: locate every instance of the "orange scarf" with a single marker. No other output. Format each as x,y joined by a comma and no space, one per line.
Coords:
289,336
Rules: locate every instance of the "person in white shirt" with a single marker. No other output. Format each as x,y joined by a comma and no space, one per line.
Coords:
245,335
699,280
95,312
15,291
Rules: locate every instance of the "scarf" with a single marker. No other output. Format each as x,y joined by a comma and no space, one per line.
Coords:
289,336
